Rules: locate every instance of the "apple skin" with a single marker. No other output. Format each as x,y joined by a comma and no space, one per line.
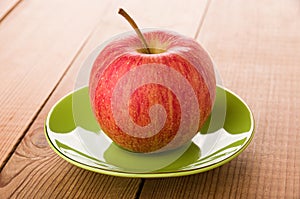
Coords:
152,102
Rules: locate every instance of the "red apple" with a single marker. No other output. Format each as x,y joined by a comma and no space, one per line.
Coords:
152,102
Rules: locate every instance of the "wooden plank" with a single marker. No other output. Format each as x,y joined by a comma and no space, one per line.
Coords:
38,42
7,6
256,46
43,173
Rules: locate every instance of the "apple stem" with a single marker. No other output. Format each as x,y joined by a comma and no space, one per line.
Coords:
135,27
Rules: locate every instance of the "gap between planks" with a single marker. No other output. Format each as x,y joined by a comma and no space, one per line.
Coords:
203,16
8,7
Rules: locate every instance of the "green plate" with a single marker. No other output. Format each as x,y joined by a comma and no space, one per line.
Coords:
73,133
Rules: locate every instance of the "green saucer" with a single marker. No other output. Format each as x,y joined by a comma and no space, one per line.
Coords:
73,133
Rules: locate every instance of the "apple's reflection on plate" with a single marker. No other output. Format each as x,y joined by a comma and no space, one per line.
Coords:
152,162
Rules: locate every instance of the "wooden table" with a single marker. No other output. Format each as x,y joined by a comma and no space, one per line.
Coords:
255,44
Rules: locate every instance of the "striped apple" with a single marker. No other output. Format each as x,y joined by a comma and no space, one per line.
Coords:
157,101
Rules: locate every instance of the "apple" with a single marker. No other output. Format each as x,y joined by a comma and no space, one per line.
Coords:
152,93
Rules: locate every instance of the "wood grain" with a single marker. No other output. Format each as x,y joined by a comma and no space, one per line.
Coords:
34,170
38,42
256,46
